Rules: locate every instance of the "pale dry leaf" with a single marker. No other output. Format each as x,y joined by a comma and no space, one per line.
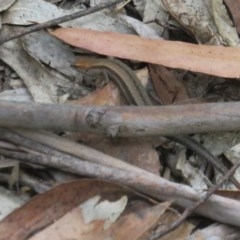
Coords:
140,6
10,201
219,143
18,95
206,20
156,16
195,18
27,12
233,155
94,209
227,144
35,76
216,232
40,82
192,175
5,4
151,10
223,23
141,28
52,52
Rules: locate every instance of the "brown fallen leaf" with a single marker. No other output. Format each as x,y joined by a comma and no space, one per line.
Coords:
82,209
214,60
233,7
138,152
168,89
128,226
108,95
182,232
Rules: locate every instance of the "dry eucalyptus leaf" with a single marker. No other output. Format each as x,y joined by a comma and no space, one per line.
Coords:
140,6
227,144
120,5
194,17
218,143
10,201
130,226
151,10
192,175
141,28
217,232
52,52
5,4
223,23
233,7
182,232
17,95
94,209
99,21
156,16
13,55
83,209
180,167
206,20
39,81
167,87
233,155
214,60
137,152
27,12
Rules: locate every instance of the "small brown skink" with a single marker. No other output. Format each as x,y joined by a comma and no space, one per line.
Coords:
124,77
135,94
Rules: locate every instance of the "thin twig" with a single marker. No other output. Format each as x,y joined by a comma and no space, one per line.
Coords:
190,210
56,21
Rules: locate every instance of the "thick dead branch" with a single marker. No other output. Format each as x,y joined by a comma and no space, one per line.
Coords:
123,121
